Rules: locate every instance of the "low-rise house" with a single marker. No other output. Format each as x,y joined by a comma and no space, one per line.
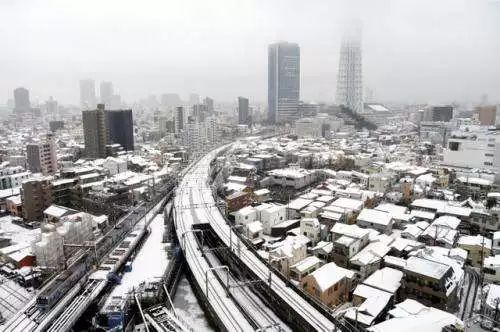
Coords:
330,284
491,306
262,195
386,279
430,282
375,219
272,215
478,247
369,259
323,250
254,230
288,252
442,232
238,200
304,267
348,240
245,215
414,231
491,269
311,228
292,177
349,207
410,315
295,206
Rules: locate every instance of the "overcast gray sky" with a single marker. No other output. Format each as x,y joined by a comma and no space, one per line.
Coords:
413,50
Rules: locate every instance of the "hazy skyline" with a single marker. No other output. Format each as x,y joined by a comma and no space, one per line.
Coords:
419,50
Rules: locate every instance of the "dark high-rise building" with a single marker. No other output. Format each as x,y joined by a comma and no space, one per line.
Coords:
180,119
22,100
243,112
106,93
120,127
442,113
283,82
87,94
94,132
209,102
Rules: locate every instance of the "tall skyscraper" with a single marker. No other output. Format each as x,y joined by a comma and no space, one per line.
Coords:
120,126
87,94
243,113
41,157
51,106
94,132
350,74
209,102
106,93
21,100
179,118
283,82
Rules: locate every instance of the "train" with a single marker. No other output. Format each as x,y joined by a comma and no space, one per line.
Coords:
60,286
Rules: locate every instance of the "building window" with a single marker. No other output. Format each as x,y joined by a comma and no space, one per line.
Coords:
488,154
488,163
491,145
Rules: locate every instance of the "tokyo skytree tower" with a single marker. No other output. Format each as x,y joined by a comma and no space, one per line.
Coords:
350,75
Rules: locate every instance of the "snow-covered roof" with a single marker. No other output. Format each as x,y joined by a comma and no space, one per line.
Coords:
330,274
299,203
375,216
306,264
261,192
353,231
255,227
426,319
348,203
426,267
474,240
387,279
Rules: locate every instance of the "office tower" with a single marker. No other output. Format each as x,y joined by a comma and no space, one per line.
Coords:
350,74
36,195
106,93
194,98
87,94
442,113
487,115
243,114
180,119
94,132
120,128
283,82
209,102
21,100
41,157
51,106
200,111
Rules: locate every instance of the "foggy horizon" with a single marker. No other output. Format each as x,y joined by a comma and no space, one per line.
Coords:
413,51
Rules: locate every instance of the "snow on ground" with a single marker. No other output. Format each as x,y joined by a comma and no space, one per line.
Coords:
186,305
17,233
150,262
